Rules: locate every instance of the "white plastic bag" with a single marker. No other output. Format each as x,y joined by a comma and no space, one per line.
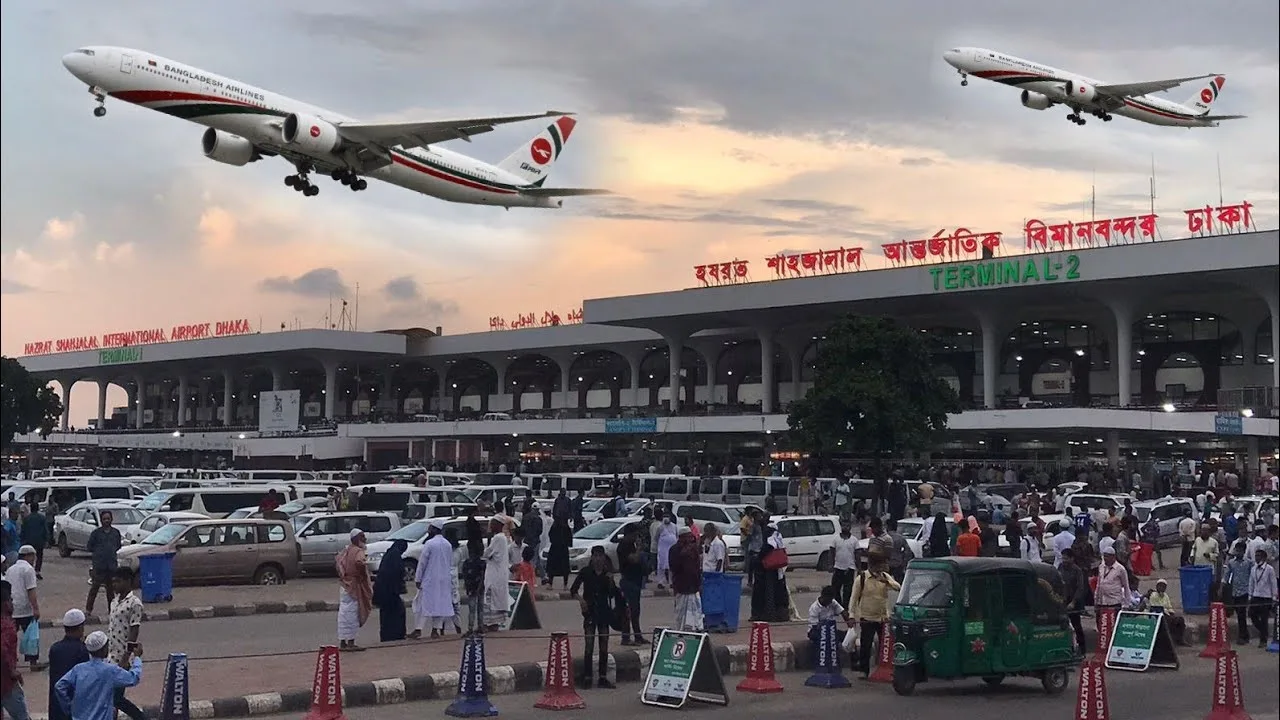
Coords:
850,639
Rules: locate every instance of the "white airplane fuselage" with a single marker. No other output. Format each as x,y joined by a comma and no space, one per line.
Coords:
1052,83
255,114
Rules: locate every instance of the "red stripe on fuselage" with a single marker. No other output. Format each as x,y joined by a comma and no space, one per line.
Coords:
412,165
149,96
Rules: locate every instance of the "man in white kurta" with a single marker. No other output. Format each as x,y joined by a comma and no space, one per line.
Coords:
434,579
497,572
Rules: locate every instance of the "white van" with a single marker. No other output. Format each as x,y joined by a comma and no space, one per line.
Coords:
216,502
495,416
71,492
756,490
448,479
571,483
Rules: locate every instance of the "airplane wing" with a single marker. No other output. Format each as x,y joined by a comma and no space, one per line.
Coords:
422,134
563,192
1124,90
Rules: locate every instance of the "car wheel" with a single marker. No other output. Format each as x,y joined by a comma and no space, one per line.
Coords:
64,549
268,575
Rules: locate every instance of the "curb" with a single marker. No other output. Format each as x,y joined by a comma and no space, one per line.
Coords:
625,667
289,607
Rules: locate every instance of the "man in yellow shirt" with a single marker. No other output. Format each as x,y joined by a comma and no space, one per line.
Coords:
871,607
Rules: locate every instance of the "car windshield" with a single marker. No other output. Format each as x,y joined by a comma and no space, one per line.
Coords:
594,505
910,528
166,534
243,512
926,588
153,501
1143,513
413,532
597,531
124,515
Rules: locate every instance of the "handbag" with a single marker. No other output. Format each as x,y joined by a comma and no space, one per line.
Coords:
776,559
30,645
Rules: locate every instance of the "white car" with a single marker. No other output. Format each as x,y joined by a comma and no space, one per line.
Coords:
71,530
157,520
415,534
606,533
808,539
1077,503
591,509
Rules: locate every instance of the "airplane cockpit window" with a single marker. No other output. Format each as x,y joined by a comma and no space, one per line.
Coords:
85,51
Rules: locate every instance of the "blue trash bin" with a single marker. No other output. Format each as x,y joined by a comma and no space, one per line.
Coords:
1196,580
721,601
155,577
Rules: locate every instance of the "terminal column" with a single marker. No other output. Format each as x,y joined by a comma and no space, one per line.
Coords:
795,356
183,392
767,386
675,354
102,403
1123,360
330,389
140,410
228,398
277,378
66,385
565,377
713,371
1113,449
990,361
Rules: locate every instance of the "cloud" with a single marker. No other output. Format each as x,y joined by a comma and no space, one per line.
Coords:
318,283
62,230
916,161
14,287
401,289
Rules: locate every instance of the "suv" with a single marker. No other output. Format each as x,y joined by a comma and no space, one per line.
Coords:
1077,503
264,552
321,536
1168,512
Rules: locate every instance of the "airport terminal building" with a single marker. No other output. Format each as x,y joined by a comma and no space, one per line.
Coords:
1162,348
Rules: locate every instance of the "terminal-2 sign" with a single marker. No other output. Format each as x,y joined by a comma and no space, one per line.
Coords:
1025,270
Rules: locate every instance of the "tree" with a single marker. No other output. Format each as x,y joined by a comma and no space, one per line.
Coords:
875,392
28,404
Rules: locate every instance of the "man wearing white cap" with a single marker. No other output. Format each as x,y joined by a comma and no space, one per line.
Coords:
26,602
434,603
64,655
355,598
1113,582
88,691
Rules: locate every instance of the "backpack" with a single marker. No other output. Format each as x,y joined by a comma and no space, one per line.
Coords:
610,509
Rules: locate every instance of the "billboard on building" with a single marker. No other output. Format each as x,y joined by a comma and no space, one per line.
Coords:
278,410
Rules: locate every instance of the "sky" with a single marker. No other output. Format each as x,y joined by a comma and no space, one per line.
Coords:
730,129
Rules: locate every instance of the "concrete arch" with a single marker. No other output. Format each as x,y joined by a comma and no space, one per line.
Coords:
1262,342
599,368
468,376
1036,361
655,372
1189,326
413,380
531,373
1082,338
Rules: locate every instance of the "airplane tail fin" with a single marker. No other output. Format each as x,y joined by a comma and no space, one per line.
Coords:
1204,97
532,161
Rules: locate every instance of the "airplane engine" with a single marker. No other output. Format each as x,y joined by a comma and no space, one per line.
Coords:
1080,93
1035,100
311,135
227,148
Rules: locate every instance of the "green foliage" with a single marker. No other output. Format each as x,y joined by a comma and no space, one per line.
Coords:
875,392
28,404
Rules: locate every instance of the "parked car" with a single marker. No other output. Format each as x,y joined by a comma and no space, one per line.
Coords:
1168,512
155,521
808,539
1088,502
263,552
593,507
606,533
71,531
321,536
415,534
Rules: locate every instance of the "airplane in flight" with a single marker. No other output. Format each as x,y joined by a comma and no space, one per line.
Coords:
245,124
1043,87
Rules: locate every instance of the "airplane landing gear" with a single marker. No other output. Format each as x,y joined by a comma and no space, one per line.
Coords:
1075,118
350,179
302,184
101,97
964,78
99,111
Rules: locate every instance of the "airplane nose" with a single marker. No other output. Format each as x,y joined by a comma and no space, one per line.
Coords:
78,64
952,57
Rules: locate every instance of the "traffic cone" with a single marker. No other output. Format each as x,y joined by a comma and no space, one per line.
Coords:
473,682
1106,622
826,670
760,673
1091,698
1218,643
326,689
175,699
884,666
1228,698
559,692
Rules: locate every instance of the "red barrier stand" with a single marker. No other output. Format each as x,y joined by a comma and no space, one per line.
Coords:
1091,698
1218,644
760,672
559,693
1106,622
1228,698
884,668
326,690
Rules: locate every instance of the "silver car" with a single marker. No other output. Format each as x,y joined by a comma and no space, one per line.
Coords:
321,536
71,531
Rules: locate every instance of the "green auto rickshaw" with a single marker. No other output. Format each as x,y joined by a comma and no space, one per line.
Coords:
961,617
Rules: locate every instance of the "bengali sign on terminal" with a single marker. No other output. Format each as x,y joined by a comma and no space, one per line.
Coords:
1026,270
631,425
132,338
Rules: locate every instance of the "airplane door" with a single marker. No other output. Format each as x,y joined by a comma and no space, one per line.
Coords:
126,64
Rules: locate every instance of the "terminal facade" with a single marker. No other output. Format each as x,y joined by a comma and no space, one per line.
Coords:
1141,347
